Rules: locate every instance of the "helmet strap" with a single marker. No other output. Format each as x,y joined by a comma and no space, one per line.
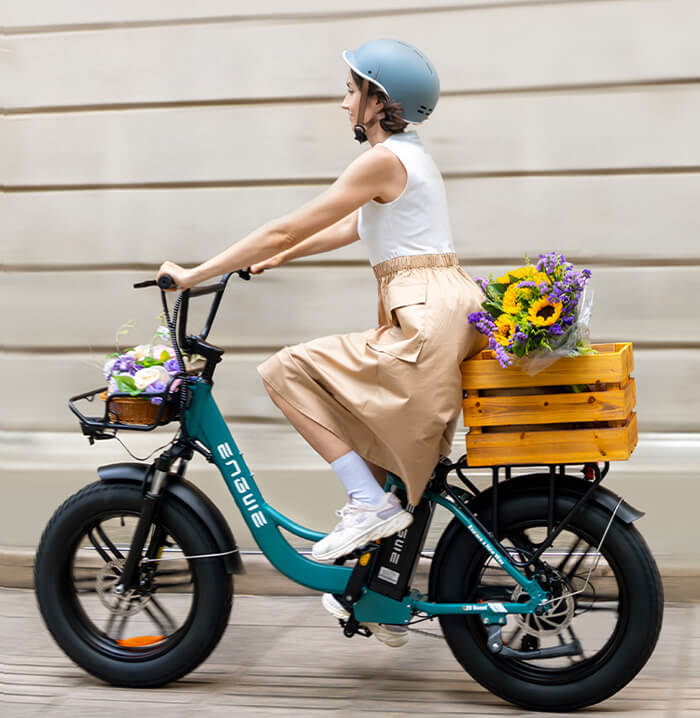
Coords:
360,128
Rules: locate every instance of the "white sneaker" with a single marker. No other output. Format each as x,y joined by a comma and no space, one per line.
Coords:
360,524
387,633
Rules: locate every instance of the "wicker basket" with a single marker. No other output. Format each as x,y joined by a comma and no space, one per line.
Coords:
135,410
514,418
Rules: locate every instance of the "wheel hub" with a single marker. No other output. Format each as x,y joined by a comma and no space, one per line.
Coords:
558,615
122,604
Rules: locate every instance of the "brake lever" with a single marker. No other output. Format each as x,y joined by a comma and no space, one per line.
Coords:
243,273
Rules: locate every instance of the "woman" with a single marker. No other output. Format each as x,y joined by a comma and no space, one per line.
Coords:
387,398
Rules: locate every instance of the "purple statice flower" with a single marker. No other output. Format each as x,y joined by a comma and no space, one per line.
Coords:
555,330
482,283
519,337
553,264
543,287
171,366
503,359
528,283
483,322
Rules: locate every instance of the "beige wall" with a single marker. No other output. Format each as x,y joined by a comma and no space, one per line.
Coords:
140,131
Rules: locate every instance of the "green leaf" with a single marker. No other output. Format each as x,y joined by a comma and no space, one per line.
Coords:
127,384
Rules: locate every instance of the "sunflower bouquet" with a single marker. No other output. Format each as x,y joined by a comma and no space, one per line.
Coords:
536,313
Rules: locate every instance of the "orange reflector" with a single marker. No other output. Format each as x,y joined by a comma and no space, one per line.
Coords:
364,559
139,641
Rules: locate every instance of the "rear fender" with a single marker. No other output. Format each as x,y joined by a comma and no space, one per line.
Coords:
191,496
569,486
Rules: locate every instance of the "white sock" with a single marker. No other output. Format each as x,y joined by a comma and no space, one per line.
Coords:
358,480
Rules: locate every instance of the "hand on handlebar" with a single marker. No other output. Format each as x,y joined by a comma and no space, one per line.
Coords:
269,263
181,276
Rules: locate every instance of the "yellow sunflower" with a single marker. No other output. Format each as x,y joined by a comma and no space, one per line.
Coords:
543,312
520,273
513,299
506,328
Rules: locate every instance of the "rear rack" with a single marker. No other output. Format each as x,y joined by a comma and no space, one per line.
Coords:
101,427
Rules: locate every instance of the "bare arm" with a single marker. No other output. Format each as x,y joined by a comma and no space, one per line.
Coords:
341,233
366,177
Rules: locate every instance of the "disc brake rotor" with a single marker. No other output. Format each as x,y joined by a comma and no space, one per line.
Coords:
124,604
560,613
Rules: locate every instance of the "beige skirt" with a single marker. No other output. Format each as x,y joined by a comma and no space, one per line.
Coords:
394,392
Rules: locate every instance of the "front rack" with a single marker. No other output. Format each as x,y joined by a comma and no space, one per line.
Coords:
96,427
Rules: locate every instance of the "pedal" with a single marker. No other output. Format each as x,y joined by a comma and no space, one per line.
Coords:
359,552
351,628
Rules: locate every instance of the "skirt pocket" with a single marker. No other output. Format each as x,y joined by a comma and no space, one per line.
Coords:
406,307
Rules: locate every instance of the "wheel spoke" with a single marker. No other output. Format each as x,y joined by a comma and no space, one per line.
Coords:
169,626
572,571
571,552
115,551
98,547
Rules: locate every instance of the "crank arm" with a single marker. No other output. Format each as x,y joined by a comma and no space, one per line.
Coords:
496,646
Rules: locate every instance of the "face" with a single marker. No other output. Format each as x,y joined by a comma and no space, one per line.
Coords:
351,102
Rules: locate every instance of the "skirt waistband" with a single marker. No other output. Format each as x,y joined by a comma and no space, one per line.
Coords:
414,261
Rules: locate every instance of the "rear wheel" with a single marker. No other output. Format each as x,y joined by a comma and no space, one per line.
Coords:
150,635
607,604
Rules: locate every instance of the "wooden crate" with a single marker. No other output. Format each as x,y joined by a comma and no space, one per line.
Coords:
515,419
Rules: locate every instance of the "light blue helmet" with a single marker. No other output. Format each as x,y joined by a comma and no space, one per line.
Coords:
402,72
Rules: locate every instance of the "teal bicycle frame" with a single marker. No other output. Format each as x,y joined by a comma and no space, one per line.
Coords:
204,423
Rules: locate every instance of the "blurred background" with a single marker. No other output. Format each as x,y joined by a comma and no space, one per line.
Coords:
136,132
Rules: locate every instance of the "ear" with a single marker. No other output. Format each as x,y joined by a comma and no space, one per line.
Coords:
376,106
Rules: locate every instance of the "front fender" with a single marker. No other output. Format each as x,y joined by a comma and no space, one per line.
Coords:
192,497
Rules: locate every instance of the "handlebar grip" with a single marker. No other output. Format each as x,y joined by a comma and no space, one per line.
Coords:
165,281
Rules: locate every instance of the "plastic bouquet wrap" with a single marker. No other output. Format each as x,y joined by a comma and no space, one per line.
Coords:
537,313
144,369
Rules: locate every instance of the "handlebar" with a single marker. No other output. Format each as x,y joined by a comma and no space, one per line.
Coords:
188,343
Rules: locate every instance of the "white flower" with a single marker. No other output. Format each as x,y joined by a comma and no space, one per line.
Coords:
108,366
162,333
145,377
141,351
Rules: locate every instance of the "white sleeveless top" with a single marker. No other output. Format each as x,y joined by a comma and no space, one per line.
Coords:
416,222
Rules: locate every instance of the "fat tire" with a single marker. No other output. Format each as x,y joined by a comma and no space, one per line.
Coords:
457,557
212,600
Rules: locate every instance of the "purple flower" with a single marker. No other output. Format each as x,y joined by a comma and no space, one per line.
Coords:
555,330
527,283
125,364
157,387
503,358
483,322
172,366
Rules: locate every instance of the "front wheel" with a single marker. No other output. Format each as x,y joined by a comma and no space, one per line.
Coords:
608,605
149,635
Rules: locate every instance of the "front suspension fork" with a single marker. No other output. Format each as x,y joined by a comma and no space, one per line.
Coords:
149,509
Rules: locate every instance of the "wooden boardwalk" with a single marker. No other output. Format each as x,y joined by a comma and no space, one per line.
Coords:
284,656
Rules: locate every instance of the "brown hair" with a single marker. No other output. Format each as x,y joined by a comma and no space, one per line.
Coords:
393,120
